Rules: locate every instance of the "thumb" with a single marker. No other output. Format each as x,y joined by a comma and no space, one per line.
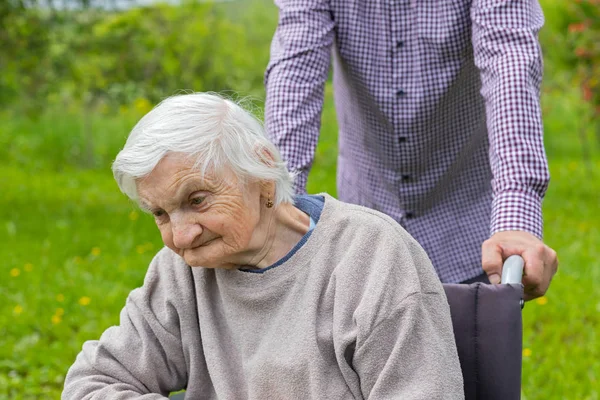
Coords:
491,261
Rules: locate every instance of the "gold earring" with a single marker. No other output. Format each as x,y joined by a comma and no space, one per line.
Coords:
269,202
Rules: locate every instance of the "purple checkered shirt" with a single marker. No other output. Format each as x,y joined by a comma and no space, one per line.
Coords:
438,112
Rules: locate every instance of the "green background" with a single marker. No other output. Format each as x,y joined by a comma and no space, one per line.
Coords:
73,246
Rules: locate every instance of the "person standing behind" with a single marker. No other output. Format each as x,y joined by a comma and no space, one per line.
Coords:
439,121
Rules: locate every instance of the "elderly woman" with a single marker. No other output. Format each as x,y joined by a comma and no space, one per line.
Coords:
259,294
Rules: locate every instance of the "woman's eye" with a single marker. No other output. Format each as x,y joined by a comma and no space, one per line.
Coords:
197,200
158,213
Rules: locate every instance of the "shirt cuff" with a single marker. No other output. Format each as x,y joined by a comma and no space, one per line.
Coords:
517,210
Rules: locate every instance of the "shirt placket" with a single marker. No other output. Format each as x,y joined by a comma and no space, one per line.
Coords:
400,28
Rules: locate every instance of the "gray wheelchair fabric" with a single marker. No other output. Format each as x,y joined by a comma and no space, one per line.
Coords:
488,329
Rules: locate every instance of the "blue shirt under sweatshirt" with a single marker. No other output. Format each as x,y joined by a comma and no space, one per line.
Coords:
311,205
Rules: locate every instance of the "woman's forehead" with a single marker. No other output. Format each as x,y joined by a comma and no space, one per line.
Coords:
175,174
178,166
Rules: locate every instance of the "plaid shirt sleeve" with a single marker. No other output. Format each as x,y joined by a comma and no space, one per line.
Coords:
508,55
295,81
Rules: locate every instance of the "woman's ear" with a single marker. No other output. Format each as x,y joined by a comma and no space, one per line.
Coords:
267,189
264,155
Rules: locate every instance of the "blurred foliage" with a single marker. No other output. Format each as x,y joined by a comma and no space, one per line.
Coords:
104,60
571,41
90,62
584,37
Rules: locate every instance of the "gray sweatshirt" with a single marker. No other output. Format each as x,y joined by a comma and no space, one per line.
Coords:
357,312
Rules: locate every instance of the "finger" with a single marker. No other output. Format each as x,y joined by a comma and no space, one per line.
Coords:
534,279
552,260
491,260
550,267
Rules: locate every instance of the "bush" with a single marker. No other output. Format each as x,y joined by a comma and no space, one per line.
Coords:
101,59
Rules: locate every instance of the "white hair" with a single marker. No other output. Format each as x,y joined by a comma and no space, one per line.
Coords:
215,131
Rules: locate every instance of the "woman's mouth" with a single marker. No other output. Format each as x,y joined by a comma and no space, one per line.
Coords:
207,242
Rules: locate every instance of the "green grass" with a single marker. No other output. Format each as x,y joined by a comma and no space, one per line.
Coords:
73,247
562,335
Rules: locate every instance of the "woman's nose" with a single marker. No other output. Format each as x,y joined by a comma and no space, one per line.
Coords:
186,234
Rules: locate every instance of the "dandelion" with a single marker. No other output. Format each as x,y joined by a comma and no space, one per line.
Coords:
104,109
15,272
60,312
133,215
142,248
60,297
17,310
84,301
572,166
96,251
28,267
56,319
542,300
526,352
142,105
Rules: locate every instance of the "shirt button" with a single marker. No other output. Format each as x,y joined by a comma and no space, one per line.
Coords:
399,44
405,178
402,139
400,93
409,214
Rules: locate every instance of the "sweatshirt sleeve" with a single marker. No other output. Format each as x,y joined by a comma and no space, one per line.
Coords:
143,357
410,354
395,331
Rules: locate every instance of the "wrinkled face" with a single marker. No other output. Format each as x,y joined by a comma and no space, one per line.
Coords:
209,221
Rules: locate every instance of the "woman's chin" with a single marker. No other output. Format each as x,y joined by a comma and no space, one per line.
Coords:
194,261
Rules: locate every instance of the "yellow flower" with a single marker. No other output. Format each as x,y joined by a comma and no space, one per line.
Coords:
60,297
28,267
142,248
56,319
104,109
142,105
84,301
15,272
133,215
96,251
17,310
526,352
60,312
542,300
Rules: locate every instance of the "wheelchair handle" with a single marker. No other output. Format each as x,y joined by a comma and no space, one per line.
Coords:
512,270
